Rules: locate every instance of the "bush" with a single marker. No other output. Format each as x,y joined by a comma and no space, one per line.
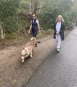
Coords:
8,15
10,25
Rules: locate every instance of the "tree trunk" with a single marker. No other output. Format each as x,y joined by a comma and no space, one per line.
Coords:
2,33
30,5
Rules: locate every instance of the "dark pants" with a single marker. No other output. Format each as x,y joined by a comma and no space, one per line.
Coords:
34,32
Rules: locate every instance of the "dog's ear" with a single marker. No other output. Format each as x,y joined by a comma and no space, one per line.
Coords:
31,39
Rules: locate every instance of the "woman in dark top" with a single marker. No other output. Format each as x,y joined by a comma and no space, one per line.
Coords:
59,31
34,28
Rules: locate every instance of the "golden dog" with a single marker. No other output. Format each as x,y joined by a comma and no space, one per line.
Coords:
29,49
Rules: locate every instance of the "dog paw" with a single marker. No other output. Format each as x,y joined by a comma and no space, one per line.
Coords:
31,56
22,61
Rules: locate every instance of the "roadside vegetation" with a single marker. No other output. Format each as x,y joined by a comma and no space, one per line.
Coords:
15,16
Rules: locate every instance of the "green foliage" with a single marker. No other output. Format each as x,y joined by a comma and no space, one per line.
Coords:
53,9
8,14
24,6
10,25
49,10
47,19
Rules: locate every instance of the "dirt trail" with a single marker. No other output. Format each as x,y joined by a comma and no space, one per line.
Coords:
13,73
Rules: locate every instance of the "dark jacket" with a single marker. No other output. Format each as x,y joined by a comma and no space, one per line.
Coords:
61,30
34,24
34,28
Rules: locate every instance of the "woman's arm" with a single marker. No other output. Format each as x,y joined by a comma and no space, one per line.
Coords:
30,29
38,25
54,28
63,28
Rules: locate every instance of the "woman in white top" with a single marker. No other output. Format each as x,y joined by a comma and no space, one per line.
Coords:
59,31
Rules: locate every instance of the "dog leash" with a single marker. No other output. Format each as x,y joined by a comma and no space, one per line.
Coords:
44,40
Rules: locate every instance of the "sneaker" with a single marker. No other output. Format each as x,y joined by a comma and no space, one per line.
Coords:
58,50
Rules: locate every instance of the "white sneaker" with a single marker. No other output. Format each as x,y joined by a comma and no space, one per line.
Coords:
58,50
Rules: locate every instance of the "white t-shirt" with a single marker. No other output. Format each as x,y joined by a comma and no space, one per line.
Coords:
58,26
37,21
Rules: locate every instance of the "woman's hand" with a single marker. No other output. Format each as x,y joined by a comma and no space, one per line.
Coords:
29,31
57,33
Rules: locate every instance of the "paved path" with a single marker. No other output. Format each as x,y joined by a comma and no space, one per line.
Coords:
59,70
